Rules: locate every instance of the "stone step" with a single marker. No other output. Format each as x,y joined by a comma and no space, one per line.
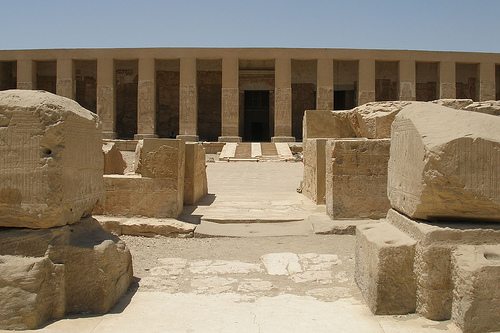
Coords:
213,229
268,149
243,150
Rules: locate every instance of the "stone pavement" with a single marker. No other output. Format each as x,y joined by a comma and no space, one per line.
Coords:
298,283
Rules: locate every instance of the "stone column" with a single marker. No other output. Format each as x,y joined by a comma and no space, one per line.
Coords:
230,101
146,110
366,84
487,86
324,85
65,85
407,80
106,96
447,79
188,99
26,74
283,101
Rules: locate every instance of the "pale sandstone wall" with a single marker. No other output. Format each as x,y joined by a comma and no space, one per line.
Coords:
356,178
195,179
51,162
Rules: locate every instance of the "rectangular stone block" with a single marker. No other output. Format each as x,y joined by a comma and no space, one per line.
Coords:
163,158
133,195
51,160
195,179
313,185
384,268
356,178
476,297
326,124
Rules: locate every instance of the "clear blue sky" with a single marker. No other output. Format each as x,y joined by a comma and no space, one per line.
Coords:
442,25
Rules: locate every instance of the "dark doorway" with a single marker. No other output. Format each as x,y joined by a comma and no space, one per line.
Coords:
344,99
256,116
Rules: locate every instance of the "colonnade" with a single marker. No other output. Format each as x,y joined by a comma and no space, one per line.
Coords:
230,94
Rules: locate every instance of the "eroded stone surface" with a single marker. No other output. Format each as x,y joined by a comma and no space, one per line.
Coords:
113,159
437,174
77,268
373,120
51,162
356,178
195,176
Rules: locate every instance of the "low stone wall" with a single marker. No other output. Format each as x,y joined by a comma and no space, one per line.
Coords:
356,178
326,124
133,195
213,147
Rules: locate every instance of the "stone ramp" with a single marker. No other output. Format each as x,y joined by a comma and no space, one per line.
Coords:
256,151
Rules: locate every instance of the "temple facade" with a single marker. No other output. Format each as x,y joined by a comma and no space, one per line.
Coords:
243,94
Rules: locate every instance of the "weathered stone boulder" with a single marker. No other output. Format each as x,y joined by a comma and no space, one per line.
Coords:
32,290
113,159
489,107
373,120
49,272
457,104
51,162
445,164
138,156
314,158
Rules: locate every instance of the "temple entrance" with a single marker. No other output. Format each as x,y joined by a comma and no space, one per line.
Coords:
256,116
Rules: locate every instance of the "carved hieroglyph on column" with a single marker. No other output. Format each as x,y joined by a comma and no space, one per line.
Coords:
105,107
487,90
25,85
366,97
188,109
230,114
325,98
283,112
407,91
65,87
146,114
447,90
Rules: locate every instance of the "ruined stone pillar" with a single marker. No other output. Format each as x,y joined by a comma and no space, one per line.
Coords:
487,82
366,85
146,110
188,99
324,90
106,97
230,101
283,101
407,80
26,74
447,80
65,85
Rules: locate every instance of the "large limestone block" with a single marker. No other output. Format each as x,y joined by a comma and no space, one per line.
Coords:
384,268
445,164
113,159
51,162
356,178
195,176
91,268
163,158
373,120
326,124
32,290
313,185
133,195
489,107
476,296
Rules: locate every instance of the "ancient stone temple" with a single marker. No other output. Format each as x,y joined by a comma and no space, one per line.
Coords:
237,95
